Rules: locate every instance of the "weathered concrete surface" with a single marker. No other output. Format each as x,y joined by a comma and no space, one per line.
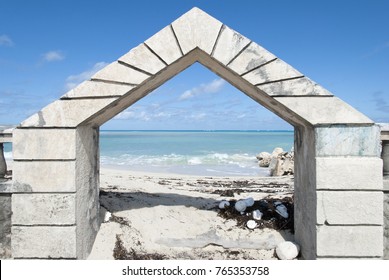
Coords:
273,71
97,89
59,176
5,225
164,43
43,209
229,44
67,113
141,57
32,144
344,140
324,110
349,241
87,196
349,208
349,173
196,29
295,87
253,56
47,242
305,191
120,73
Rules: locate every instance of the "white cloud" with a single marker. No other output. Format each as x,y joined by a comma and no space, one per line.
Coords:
73,80
6,41
212,87
53,56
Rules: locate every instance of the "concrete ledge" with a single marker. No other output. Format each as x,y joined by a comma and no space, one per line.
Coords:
141,57
349,241
229,44
164,43
196,29
348,173
44,242
349,141
43,144
43,209
349,208
41,176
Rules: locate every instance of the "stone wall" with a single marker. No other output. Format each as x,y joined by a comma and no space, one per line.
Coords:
5,225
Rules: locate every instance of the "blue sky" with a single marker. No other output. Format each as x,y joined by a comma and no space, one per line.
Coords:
48,47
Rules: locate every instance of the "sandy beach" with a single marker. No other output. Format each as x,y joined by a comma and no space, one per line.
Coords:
163,216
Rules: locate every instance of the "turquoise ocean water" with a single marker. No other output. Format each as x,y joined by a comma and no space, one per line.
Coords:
205,153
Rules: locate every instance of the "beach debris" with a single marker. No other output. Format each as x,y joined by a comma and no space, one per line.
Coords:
281,209
257,215
223,204
287,250
249,201
251,224
107,217
264,159
269,219
240,206
280,163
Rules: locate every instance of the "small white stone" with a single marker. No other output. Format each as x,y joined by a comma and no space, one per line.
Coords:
249,201
281,209
107,216
251,224
223,204
257,215
240,206
287,250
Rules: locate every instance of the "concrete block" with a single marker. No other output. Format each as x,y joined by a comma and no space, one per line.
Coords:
250,58
97,89
5,226
67,113
324,110
59,176
116,72
349,241
229,44
165,44
349,208
196,29
386,226
87,196
273,71
142,58
348,173
43,209
43,144
343,140
47,242
295,87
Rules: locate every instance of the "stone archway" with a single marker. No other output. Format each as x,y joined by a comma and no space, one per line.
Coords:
338,179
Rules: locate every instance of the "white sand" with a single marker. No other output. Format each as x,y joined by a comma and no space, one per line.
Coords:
176,216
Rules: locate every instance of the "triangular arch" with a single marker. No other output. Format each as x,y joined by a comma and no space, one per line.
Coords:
61,142
197,37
